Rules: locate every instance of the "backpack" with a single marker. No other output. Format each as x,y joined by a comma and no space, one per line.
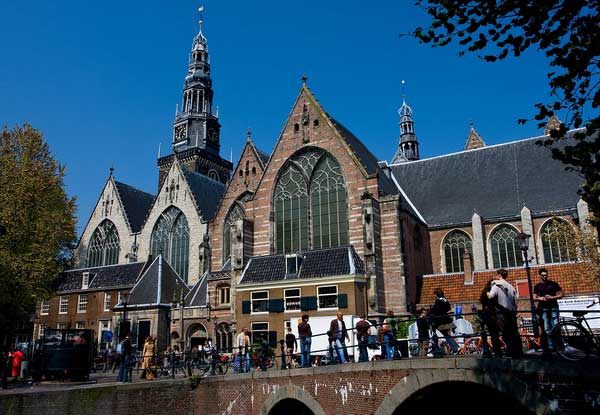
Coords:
120,348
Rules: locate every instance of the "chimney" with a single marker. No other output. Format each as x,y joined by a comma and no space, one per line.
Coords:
468,268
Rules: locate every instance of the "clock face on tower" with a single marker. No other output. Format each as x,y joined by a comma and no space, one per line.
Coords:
180,132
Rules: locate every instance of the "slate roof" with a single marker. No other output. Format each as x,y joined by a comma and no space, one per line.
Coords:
365,157
158,285
494,181
207,192
137,204
264,157
198,295
342,260
101,278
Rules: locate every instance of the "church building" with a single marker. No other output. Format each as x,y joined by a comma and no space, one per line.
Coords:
317,226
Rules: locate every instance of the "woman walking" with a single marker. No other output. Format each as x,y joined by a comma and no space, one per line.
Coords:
147,358
441,321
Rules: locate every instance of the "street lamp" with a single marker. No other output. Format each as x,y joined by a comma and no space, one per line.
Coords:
523,240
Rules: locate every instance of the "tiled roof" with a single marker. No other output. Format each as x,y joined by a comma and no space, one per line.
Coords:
264,157
327,262
570,275
101,278
136,204
494,181
159,284
206,191
365,157
197,297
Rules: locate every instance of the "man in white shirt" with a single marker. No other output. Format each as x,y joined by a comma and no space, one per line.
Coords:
243,342
506,311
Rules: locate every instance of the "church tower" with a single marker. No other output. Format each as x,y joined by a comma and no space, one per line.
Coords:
408,145
196,129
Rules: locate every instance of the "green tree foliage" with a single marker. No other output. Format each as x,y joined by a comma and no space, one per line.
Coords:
566,31
39,222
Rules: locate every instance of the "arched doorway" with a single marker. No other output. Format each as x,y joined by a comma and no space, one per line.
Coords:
452,398
290,406
197,335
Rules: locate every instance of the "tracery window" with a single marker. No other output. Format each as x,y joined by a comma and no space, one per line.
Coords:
235,213
171,236
224,338
555,241
103,248
455,245
310,193
505,248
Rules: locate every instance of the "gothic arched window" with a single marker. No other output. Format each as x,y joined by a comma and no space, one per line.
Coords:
103,248
235,213
224,338
171,236
556,234
455,245
310,190
505,248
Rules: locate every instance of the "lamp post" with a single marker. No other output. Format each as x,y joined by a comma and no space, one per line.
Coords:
523,240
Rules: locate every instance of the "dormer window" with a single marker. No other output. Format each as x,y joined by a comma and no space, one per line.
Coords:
85,281
292,264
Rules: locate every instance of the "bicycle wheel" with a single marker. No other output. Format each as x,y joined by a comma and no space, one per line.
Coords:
572,341
223,367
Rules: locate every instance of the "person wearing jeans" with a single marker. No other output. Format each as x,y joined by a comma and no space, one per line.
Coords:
305,334
363,330
547,293
340,335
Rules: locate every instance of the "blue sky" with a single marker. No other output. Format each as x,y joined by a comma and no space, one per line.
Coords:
101,79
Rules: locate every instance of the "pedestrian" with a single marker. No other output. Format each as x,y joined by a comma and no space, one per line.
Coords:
291,347
387,342
147,358
265,353
243,345
488,322
442,322
363,330
305,334
547,293
340,334
423,332
506,311
17,358
125,350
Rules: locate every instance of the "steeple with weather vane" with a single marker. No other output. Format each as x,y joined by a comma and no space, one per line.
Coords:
408,145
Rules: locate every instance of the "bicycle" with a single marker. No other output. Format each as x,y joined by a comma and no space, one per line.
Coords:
573,337
215,364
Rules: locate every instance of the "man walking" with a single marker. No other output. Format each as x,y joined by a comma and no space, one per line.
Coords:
243,344
363,330
125,346
340,335
547,293
290,344
506,307
305,334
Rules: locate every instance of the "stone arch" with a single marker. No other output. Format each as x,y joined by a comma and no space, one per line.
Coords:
499,382
291,392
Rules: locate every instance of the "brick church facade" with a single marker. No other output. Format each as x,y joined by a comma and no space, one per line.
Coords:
317,226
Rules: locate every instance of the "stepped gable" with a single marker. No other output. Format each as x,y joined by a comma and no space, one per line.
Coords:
494,181
136,203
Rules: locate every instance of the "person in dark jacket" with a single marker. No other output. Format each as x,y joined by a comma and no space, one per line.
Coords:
423,331
291,346
340,335
441,321
363,330
489,323
124,375
305,334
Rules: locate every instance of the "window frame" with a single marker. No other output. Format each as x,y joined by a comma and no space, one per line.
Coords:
220,290
62,326
107,299
44,307
337,294
285,298
80,325
41,330
80,303
85,280
252,300
516,250
550,242
468,247
64,303
253,331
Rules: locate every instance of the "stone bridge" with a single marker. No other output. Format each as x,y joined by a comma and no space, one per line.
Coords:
446,386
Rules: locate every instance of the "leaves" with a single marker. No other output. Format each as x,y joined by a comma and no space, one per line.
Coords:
40,222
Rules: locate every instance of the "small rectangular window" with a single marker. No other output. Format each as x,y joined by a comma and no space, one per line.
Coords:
85,281
107,298
61,326
63,307
224,297
292,299
45,308
82,303
260,302
259,331
42,329
293,263
327,297
80,325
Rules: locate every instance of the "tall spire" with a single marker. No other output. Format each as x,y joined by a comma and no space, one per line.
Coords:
408,145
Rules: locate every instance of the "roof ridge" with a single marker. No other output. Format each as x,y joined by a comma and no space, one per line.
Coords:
137,189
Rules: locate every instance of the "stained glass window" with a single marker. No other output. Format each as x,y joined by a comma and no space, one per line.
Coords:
235,213
505,248
310,194
171,237
455,245
103,248
555,237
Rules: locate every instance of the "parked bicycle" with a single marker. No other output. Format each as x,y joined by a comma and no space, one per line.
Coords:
573,337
